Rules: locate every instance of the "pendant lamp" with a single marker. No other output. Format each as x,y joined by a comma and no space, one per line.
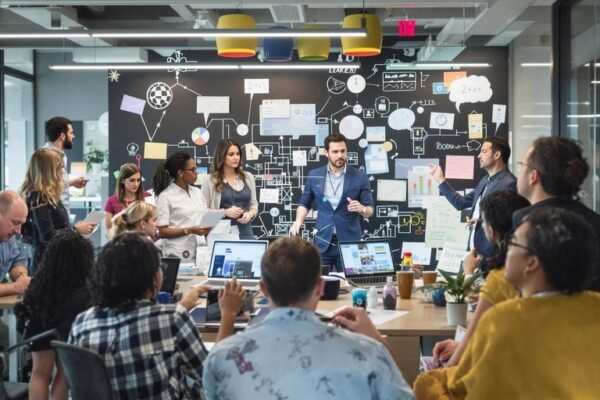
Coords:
236,47
313,49
278,49
364,46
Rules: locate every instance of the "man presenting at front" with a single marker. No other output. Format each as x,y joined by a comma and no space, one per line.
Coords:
343,197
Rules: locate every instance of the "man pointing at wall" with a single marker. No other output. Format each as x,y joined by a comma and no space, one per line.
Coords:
343,196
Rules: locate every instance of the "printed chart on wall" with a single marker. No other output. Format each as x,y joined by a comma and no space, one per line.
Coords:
398,123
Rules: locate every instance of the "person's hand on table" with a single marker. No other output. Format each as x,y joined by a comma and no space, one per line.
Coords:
21,284
442,351
356,320
190,299
231,298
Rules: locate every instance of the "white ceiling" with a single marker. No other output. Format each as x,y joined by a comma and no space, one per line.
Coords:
447,22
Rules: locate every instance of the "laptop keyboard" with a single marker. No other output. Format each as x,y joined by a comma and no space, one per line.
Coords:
245,285
369,280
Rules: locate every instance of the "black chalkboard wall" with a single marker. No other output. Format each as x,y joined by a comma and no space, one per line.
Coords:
391,117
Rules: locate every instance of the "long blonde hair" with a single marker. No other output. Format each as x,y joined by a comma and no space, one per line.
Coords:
45,176
128,219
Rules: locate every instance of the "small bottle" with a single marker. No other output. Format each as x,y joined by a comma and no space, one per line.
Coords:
372,298
407,262
389,295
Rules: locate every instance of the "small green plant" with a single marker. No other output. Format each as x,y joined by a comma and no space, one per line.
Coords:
93,155
457,288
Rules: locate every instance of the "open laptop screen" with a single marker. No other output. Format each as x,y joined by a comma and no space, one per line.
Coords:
366,258
237,258
170,267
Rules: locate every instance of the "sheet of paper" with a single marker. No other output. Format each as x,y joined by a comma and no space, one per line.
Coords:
212,105
376,133
439,120
451,76
420,186
270,196
211,218
403,165
155,151
475,126
96,217
451,259
256,86
499,113
378,316
442,223
421,254
252,152
299,158
459,167
376,161
133,104
276,108
391,190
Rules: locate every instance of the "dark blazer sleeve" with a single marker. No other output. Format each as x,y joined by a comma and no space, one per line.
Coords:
308,195
366,196
459,202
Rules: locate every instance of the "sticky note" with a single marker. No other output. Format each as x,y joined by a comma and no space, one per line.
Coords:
155,151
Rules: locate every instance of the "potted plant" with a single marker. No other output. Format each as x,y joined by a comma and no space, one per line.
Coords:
94,157
457,289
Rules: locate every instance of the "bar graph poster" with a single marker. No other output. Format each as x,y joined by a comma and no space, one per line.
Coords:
420,185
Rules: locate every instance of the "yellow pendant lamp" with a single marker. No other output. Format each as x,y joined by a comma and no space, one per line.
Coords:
313,49
236,47
369,45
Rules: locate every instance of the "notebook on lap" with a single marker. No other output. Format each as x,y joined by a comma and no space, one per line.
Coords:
367,263
239,258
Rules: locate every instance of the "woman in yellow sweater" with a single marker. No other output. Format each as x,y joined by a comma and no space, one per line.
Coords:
543,345
496,210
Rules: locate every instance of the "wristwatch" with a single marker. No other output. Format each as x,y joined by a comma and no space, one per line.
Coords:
185,231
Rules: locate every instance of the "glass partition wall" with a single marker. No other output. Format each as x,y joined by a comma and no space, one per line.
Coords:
576,25
17,132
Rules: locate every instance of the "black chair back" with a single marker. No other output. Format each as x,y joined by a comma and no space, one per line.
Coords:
85,371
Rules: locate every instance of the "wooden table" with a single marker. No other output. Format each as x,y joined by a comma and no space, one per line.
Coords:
7,304
403,333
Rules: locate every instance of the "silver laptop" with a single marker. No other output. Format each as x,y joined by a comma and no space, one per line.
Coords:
239,258
367,263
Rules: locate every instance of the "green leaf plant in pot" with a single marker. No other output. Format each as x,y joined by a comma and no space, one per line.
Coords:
94,157
457,289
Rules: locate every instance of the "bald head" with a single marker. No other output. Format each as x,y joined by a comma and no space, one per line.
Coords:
13,214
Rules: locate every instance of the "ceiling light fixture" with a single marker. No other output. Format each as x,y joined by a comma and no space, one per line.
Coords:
215,33
45,35
536,64
400,66
201,66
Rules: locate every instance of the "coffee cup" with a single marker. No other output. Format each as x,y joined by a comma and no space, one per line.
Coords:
359,298
405,283
429,277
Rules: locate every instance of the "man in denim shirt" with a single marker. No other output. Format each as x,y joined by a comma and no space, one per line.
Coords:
13,213
291,354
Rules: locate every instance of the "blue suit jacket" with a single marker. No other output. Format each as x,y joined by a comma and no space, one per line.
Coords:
347,224
503,180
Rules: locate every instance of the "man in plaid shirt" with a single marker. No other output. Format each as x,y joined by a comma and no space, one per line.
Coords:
152,351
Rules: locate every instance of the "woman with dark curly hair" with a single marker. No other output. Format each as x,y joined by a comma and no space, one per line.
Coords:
56,294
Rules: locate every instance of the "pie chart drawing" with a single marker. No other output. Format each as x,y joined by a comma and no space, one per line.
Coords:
200,136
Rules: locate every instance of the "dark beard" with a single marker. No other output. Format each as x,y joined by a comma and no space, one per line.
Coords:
68,145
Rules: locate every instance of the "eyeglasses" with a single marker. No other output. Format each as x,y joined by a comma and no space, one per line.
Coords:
510,241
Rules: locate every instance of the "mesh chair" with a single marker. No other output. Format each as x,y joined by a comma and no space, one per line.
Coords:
85,371
19,390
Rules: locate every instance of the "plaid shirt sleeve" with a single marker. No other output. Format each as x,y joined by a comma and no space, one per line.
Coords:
193,352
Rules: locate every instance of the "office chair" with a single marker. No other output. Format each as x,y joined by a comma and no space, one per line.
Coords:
19,390
85,371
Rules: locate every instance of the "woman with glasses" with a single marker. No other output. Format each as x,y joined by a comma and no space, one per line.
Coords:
231,189
544,344
496,212
180,206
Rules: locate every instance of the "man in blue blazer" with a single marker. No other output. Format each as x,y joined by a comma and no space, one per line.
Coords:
342,195
493,158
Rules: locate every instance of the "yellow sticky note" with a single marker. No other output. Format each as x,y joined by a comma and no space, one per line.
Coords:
475,126
155,151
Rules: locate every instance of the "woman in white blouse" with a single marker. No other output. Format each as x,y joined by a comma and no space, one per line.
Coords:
180,206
